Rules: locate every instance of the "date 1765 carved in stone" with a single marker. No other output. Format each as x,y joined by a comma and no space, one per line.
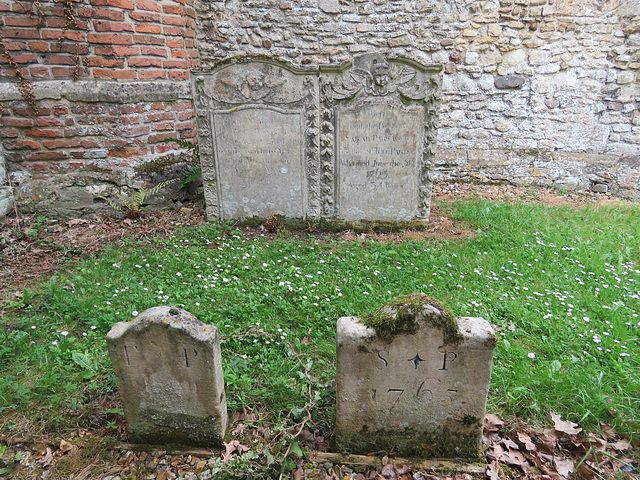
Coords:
353,141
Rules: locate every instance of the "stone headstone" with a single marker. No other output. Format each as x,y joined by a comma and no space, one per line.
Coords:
168,368
353,141
416,384
256,128
383,110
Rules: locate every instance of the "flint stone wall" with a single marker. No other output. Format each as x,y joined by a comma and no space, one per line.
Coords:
538,92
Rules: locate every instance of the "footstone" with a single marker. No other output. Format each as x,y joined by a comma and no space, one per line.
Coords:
168,368
415,382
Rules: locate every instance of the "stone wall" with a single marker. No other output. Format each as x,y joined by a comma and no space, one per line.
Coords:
540,92
88,90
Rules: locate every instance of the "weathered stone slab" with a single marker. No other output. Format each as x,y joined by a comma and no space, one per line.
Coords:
256,128
418,388
383,111
168,368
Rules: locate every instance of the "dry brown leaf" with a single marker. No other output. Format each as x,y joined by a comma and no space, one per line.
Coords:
162,475
298,474
66,447
515,458
526,442
389,472
492,423
385,460
200,467
492,471
599,444
564,466
623,444
565,426
509,444
586,472
48,458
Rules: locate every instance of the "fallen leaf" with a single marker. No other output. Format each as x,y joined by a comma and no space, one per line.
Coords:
48,458
162,475
388,471
564,466
77,221
385,460
514,458
298,474
66,447
564,426
526,442
492,471
623,444
492,423
200,467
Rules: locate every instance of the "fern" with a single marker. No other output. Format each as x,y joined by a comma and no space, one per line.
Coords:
192,147
191,175
133,208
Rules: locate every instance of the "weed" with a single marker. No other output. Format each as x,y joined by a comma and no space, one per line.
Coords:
133,207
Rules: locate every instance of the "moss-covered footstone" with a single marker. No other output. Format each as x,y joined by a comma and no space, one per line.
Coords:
412,379
405,313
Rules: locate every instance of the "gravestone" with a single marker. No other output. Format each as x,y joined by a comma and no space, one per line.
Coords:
351,142
257,136
383,110
168,367
415,382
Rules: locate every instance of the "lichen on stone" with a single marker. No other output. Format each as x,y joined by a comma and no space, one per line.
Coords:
404,314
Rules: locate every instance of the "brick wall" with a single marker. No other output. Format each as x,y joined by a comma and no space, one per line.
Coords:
110,79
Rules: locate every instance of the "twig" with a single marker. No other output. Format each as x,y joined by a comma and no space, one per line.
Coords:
13,200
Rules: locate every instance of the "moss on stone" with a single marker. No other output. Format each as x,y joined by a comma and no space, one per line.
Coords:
442,442
404,314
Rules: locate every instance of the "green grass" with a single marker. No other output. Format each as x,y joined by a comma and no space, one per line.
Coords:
560,284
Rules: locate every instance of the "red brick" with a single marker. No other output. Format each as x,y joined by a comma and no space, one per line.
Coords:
106,26
20,33
21,21
60,110
158,117
150,5
72,35
144,62
188,125
127,152
189,12
148,28
172,20
24,57
117,51
175,43
115,74
103,62
136,131
28,145
59,60
124,4
70,143
16,122
175,64
110,38
182,105
160,52
67,72
30,112
39,71
14,46
182,116
42,156
74,48
179,54
8,132
59,22
151,74
159,137
5,7
163,127
149,17
178,75
129,109
52,122
174,31
107,14
38,46
49,133
149,39
172,9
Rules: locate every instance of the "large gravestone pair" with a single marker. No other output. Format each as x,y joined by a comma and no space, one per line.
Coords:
351,142
411,379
